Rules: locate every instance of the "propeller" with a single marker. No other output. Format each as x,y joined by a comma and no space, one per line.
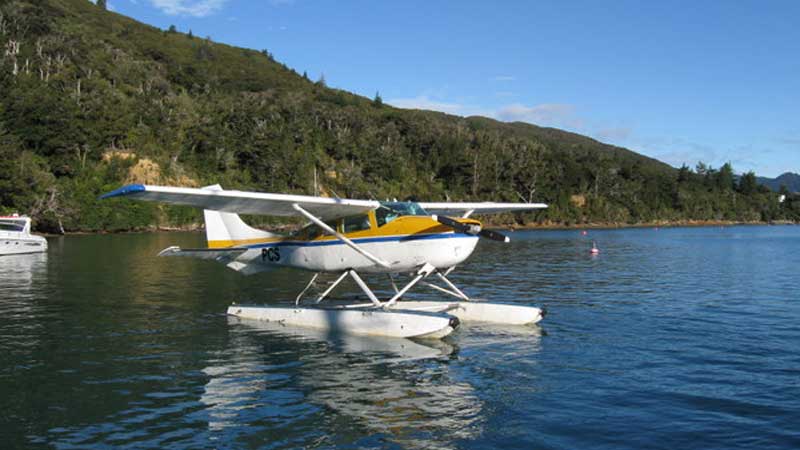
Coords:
469,228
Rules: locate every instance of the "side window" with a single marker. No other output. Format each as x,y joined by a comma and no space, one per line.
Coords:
313,231
11,227
355,223
384,215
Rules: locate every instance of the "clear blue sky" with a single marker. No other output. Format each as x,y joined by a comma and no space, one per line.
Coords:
679,81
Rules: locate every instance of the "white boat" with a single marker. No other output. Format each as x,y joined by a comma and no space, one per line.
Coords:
16,237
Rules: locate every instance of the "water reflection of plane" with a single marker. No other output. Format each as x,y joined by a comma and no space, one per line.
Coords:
383,386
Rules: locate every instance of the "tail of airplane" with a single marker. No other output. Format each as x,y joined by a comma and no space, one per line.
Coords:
228,229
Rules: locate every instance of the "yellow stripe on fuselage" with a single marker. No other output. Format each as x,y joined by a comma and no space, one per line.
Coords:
401,226
240,242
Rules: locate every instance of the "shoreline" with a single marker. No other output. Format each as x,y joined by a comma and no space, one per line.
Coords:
514,227
655,224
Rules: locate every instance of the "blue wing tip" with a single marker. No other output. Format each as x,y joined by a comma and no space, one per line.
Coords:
124,190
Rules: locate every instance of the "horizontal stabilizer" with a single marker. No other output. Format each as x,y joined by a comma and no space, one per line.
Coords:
223,255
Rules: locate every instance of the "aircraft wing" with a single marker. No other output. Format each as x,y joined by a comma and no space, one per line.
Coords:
243,202
467,209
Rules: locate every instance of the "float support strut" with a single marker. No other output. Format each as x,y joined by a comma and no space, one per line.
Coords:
452,286
364,287
423,272
308,286
332,286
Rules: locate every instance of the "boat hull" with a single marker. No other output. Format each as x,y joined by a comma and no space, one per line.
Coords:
360,321
19,246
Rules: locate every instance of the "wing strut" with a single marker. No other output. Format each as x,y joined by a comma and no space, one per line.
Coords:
341,237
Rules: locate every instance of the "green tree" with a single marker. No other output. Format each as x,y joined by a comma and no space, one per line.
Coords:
102,4
748,183
725,179
172,29
377,101
683,174
10,181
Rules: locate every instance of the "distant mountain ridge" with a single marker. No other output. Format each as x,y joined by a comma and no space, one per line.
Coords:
789,179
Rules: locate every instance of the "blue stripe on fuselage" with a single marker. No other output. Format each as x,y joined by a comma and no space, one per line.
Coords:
402,238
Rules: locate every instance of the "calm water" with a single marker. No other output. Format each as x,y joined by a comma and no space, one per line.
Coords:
671,338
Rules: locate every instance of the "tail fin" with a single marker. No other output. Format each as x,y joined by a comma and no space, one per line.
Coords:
227,229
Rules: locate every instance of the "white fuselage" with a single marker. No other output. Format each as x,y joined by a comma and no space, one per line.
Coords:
404,253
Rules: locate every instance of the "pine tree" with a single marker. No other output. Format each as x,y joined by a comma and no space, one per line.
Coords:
748,183
725,177
102,4
172,29
683,174
377,101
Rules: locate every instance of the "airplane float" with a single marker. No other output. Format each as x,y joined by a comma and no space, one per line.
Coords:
348,237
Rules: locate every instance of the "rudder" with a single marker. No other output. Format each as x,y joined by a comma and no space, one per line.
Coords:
228,229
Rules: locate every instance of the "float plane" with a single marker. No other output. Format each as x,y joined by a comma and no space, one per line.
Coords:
348,237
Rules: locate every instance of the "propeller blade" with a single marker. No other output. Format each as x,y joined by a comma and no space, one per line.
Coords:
494,235
458,226
444,220
471,229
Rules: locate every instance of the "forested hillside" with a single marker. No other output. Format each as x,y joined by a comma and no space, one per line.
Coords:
92,99
788,182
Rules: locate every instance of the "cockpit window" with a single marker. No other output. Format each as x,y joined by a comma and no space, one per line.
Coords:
355,223
312,231
388,211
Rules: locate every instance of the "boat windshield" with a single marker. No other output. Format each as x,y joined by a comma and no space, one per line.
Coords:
12,225
388,211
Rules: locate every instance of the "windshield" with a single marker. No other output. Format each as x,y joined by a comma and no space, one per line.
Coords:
404,208
388,211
